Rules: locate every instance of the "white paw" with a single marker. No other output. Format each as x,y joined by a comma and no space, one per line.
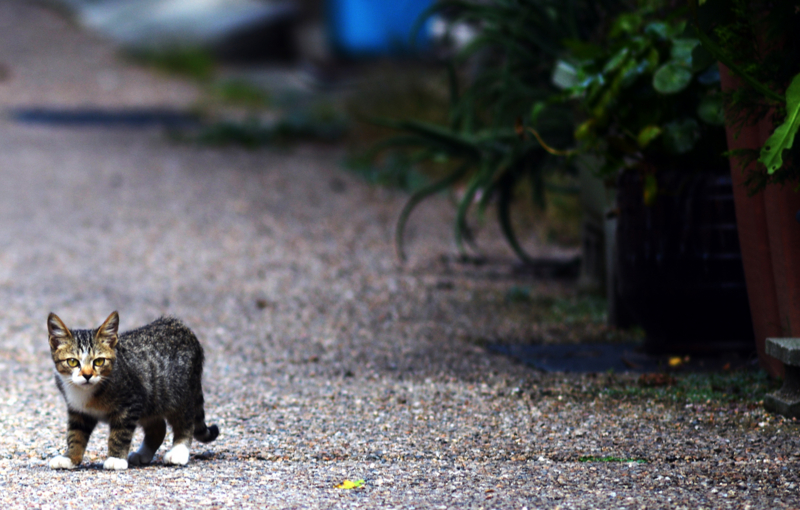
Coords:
179,455
142,457
62,462
115,463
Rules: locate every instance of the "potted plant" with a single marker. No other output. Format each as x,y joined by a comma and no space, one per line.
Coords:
758,46
653,114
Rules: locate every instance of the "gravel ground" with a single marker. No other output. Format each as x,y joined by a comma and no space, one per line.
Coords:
326,361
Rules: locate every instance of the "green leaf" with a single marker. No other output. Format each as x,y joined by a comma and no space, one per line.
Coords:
504,216
564,75
627,23
584,131
652,58
434,135
680,136
647,135
672,77
616,61
418,197
710,110
461,227
658,29
632,71
682,50
783,137
677,29
536,110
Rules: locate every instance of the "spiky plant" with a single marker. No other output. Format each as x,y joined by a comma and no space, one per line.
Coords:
487,144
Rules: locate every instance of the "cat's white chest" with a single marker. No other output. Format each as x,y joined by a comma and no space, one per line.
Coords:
78,400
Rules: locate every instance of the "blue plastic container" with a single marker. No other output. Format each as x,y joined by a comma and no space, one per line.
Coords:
376,27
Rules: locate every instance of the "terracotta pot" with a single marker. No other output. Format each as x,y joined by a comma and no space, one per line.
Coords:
769,236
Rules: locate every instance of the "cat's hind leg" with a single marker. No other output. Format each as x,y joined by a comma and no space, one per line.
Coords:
182,439
154,432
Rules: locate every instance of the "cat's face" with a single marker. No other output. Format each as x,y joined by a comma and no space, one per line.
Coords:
82,357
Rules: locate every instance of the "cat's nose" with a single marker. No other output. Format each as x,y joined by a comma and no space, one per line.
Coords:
87,376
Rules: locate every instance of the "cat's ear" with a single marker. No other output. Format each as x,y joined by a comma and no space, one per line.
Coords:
107,333
58,333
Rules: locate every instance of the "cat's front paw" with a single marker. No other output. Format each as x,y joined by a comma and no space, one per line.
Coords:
115,463
61,462
179,455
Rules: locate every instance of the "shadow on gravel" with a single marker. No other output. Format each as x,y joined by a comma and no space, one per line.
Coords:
93,117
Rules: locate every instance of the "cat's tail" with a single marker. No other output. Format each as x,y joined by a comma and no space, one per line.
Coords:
202,432
206,434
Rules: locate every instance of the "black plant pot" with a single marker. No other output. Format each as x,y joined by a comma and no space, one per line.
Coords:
679,266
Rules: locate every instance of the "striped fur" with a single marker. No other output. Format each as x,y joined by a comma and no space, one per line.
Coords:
147,377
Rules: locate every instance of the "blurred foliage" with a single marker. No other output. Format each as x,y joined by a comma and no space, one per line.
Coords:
581,308
241,93
649,95
291,119
396,171
495,86
717,387
322,124
194,63
533,315
759,42
392,90
560,220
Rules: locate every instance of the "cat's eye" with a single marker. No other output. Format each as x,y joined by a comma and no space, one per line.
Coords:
99,362
72,362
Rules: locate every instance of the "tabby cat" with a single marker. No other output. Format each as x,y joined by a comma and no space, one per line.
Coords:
142,377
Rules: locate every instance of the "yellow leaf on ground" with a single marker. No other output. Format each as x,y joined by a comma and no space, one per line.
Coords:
349,484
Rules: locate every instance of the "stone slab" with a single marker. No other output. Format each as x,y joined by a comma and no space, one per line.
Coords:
786,350
783,402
